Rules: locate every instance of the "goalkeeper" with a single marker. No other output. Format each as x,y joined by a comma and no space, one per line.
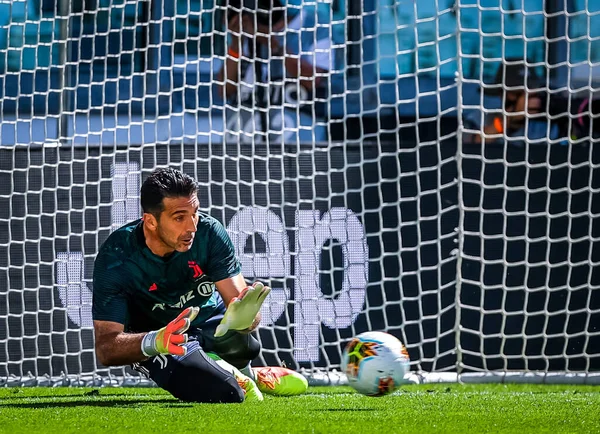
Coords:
155,305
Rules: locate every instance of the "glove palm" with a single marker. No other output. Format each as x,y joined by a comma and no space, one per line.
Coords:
242,310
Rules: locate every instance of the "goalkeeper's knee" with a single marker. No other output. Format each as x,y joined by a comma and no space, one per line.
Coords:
237,348
187,386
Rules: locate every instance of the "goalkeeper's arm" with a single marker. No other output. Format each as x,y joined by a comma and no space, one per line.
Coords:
114,347
231,288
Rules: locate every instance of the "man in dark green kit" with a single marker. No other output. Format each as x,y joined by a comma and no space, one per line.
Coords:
175,271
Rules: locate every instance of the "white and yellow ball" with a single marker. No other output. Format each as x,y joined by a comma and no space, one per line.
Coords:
375,363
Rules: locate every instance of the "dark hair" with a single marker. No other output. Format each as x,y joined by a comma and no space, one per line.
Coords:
514,74
165,182
267,12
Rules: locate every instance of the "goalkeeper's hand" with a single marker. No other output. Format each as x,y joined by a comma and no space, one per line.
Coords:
170,339
242,310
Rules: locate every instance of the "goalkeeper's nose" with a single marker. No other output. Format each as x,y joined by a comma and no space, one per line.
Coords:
191,226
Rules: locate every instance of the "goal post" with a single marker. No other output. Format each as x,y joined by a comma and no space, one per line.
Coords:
345,163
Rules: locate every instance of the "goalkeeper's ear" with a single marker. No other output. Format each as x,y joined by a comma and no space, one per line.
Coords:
150,221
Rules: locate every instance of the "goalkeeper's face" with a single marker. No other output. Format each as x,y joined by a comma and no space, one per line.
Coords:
175,228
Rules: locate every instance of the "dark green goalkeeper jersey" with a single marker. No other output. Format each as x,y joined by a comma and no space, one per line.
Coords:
144,292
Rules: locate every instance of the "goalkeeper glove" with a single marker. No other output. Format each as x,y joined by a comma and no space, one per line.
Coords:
242,310
169,339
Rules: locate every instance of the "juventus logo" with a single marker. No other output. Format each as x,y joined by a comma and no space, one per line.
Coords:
195,268
162,360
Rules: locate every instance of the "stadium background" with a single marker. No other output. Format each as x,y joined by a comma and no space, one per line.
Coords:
382,144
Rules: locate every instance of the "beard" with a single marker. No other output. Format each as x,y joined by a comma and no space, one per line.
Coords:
166,240
176,244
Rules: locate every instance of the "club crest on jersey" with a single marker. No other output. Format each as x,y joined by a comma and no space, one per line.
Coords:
204,287
196,269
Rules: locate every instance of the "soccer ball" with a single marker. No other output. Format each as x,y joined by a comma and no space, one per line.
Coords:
375,363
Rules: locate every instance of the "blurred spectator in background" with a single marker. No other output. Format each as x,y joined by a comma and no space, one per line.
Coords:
585,123
274,58
522,115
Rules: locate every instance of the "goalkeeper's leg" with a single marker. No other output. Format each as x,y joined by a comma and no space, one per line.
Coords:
196,377
240,349
236,348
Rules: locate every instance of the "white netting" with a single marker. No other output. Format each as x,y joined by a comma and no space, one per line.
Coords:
346,161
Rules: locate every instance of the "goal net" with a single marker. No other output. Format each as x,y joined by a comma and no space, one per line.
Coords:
348,148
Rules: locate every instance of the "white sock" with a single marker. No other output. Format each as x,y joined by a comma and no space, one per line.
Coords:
247,371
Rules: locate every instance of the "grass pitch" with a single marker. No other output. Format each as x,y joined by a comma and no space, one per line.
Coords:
413,409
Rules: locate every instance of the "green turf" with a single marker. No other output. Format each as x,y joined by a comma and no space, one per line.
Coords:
414,409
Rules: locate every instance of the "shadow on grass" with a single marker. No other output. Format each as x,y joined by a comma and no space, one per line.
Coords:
17,396
170,402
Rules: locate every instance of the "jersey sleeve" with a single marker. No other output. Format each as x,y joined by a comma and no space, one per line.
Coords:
222,261
109,301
